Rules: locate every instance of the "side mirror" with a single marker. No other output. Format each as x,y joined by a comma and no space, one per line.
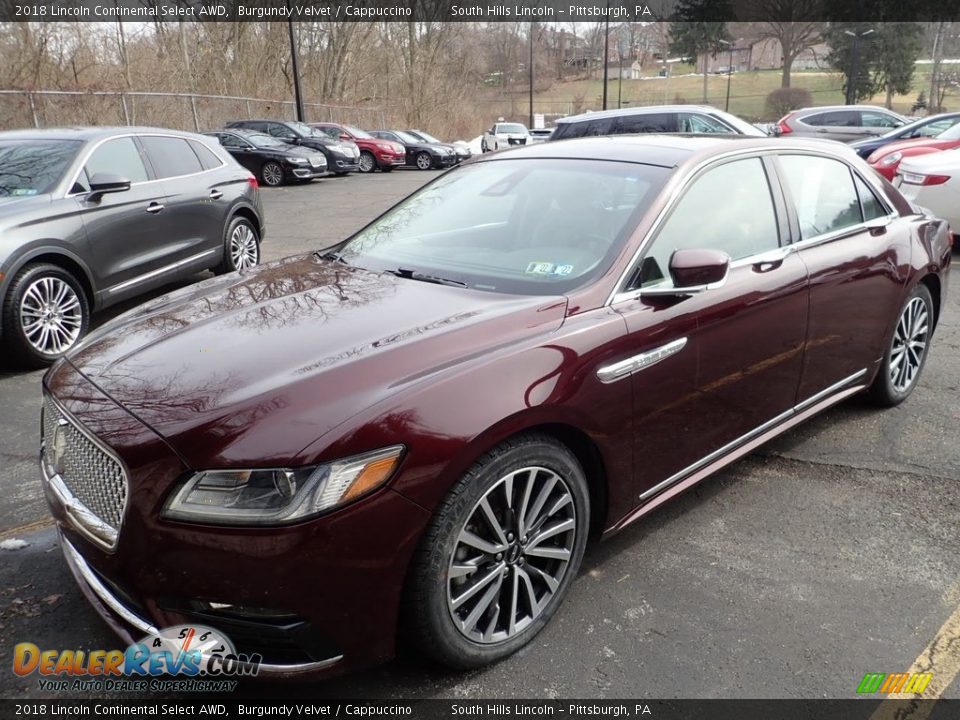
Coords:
692,272
103,183
344,136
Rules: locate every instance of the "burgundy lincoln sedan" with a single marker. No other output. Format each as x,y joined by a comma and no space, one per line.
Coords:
414,433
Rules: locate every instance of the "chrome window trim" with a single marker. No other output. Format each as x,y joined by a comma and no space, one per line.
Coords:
159,271
93,148
619,295
103,593
85,520
625,368
747,437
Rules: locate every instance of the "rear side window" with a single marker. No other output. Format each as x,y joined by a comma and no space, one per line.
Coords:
208,159
823,193
229,140
872,208
692,123
170,156
119,157
837,118
880,120
646,123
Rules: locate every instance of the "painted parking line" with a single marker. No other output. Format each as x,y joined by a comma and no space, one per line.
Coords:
27,528
941,658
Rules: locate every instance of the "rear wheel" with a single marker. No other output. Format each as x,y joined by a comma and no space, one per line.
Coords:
241,246
368,163
905,357
271,174
500,554
45,313
424,161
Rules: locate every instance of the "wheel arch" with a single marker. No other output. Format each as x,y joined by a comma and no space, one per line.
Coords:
933,284
62,259
247,212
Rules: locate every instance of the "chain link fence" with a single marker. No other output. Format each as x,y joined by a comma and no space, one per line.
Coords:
183,111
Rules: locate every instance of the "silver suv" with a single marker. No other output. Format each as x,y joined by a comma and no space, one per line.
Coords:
93,216
695,119
845,123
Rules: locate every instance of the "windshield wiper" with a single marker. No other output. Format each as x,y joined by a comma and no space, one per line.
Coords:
424,277
329,255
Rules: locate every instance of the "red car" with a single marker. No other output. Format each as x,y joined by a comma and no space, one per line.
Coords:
421,427
374,152
887,159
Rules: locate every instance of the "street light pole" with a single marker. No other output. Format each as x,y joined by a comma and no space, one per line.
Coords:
530,120
606,52
295,66
726,107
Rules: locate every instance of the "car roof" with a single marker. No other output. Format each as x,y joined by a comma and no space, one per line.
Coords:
88,133
644,110
663,150
830,108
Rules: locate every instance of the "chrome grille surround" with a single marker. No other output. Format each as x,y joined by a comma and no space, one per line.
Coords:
88,479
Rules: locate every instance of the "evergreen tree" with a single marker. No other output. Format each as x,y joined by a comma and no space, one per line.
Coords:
699,28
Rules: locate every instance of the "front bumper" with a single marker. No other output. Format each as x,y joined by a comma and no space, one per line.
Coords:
344,165
303,172
391,159
313,599
445,160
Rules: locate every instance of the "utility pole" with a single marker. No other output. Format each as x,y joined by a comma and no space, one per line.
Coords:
530,123
606,51
295,66
726,107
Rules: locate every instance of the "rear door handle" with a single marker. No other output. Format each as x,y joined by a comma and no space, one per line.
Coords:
154,207
215,194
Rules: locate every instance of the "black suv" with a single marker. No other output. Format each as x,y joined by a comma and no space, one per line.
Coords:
93,216
342,157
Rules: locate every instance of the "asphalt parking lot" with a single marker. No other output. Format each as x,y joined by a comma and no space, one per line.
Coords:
833,552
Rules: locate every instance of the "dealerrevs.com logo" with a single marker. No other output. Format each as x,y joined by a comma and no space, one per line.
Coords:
182,657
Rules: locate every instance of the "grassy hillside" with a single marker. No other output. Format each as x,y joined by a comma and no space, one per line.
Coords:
748,92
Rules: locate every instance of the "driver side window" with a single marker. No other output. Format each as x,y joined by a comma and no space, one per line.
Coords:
728,208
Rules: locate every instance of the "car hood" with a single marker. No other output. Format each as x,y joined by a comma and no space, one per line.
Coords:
14,204
930,143
254,367
296,151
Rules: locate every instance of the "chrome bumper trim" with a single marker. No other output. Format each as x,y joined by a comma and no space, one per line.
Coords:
102,592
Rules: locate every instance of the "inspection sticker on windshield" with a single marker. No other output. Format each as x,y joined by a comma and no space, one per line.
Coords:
547,268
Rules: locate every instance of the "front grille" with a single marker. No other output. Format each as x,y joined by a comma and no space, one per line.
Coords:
316,161
518,141
92,476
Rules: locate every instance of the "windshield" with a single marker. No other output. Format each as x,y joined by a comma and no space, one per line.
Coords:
427,137
34,167
534,227
406,137
304,129
511,128
951,134
264,141
358,133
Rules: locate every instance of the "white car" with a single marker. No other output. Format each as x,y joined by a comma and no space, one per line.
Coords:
933,182
503,135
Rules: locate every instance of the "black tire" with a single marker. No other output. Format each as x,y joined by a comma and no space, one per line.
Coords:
241,246
429,600
25,348
424,161
903,362
386,168
271,174
368,162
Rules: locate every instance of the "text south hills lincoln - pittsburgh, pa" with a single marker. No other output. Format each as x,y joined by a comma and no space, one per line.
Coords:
525,11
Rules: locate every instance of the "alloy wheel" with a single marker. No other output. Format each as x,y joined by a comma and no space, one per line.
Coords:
423,161
51,315
909,344
244,249
272,174
511,555
366,162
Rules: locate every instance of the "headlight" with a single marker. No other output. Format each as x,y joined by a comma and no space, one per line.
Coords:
892,158
298,160
278,496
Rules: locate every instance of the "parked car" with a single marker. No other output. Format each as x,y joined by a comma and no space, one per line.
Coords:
272,160
923,128
461,148
429,419
503,135
93,216
933,182
887,159
374,152
540,134
421,155
342,156
845,123
653,119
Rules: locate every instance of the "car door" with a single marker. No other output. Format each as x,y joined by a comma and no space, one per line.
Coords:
196,205
730,357
123,228
241,151
856,250
874,123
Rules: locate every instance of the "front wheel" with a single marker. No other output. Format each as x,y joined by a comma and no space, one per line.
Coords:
500,554
368,163
241,246
44,314
907,353
424,161
271,174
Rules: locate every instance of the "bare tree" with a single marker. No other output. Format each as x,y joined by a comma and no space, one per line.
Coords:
788,21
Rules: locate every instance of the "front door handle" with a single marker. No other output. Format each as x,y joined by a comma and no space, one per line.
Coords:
772,259
215,194
154,207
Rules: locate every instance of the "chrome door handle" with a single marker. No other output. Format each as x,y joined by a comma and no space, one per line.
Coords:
154,207
769,260
215,194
